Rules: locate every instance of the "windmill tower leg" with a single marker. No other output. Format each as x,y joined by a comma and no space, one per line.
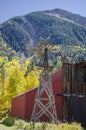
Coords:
45,105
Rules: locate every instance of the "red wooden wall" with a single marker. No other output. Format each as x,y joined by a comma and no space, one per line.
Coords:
57,88
22,105
18,106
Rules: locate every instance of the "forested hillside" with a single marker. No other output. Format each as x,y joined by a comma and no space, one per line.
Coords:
62,27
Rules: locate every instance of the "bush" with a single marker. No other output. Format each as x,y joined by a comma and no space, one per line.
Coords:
8,121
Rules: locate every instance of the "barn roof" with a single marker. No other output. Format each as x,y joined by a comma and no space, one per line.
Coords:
55,76
80,62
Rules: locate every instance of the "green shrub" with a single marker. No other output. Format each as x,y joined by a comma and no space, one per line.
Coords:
8,121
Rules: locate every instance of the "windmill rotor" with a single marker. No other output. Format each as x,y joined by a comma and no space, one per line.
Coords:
44,51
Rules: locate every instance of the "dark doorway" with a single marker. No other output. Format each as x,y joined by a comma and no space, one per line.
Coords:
78,109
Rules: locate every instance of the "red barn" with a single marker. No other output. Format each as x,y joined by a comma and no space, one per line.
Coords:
22,105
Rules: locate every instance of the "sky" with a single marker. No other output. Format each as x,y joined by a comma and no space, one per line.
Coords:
12,8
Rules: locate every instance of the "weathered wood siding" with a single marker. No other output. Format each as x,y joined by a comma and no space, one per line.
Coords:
73,83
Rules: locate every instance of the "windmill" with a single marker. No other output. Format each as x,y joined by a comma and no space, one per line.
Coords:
45,105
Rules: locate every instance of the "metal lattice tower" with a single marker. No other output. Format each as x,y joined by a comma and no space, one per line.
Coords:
44,101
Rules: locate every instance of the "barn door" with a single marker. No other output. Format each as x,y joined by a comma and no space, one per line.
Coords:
78,109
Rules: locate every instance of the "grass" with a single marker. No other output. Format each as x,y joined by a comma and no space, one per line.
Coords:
10,123
3,127
40,127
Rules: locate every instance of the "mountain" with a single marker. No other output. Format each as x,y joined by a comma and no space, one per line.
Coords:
63,27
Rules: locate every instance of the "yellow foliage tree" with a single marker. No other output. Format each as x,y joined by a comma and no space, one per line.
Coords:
13,81
31,80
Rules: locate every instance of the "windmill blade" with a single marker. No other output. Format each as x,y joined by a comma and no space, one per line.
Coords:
30,50
51,54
